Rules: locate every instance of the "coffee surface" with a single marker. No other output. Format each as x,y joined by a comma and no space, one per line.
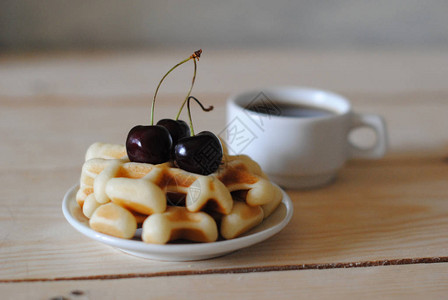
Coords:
291,110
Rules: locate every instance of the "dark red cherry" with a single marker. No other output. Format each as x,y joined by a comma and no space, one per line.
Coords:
178,129
149,144
201,154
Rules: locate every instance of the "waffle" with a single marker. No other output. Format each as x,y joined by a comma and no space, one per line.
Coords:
235,198
102,150
179,223
104,177
114,220
242,218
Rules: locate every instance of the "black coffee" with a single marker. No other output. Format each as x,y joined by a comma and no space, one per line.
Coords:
291,110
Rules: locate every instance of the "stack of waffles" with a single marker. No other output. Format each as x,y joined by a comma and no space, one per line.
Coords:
168,203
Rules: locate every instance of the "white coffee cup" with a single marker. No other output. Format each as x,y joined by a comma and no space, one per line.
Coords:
298,152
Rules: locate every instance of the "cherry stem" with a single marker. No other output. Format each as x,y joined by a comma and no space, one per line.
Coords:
189,112
194,56
189,92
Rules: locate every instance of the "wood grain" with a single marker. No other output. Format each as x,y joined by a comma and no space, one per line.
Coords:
389,211
393,208
127,74
48,130
397,282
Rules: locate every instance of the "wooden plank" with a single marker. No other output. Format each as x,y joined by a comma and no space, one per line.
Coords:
374,211
110,74
397,282
48,130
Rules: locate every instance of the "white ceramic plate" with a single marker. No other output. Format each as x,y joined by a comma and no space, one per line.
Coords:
179,252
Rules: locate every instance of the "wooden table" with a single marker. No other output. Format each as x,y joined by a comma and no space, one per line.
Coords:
380,230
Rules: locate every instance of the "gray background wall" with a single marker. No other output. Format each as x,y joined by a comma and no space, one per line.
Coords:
161,23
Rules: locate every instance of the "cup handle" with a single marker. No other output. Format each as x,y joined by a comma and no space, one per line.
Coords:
377,124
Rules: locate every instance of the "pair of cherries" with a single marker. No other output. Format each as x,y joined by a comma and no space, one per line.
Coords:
170,139
174,139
